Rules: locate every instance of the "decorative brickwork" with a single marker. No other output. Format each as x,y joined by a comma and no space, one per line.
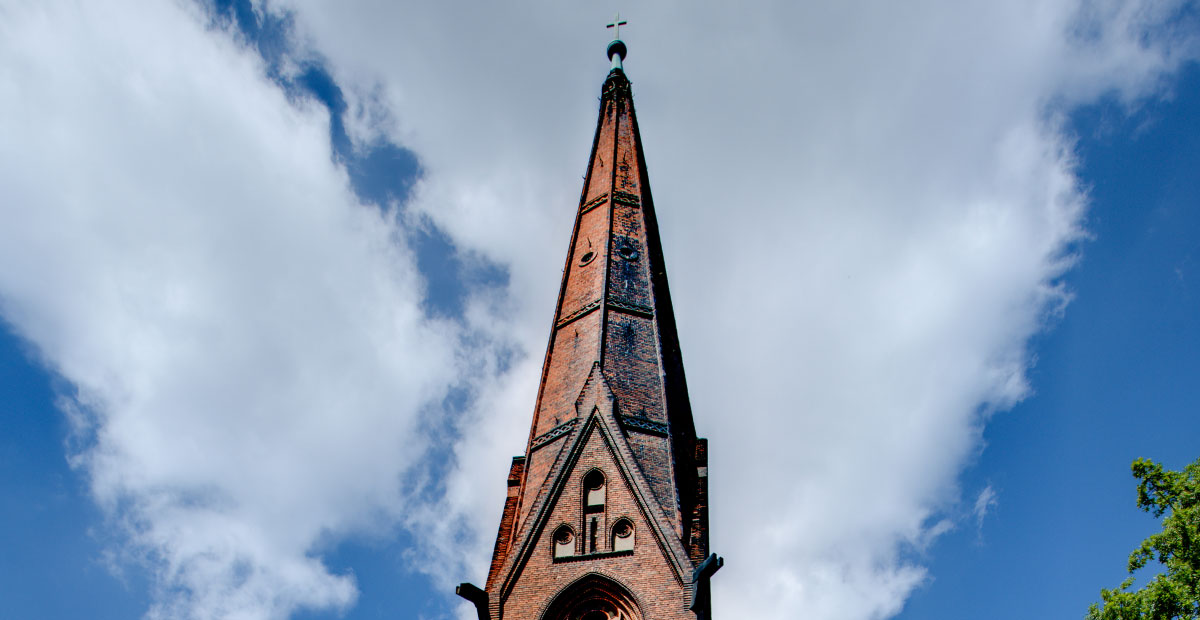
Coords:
554,433
626,198
607,513
593,203
644,425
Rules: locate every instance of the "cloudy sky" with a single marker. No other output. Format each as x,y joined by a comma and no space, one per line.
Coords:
276,278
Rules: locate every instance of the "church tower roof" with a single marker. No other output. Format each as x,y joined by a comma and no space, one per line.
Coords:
612,456
614,307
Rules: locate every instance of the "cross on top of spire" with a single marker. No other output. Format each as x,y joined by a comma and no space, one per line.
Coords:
616,26
616,49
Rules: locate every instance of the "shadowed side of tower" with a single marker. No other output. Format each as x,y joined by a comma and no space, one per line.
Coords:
607,515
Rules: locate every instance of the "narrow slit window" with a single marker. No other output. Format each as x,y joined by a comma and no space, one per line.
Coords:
595,526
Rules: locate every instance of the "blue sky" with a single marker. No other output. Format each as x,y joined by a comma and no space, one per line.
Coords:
1115,380
276,279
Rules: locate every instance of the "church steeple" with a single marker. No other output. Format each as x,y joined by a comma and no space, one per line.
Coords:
611,494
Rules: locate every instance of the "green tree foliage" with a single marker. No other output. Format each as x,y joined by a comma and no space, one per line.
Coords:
1175,592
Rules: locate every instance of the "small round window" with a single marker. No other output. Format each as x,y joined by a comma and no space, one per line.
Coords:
587,257
627,252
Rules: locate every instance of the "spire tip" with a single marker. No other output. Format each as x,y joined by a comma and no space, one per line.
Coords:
616,49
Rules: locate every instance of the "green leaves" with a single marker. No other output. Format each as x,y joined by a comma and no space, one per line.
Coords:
1173,594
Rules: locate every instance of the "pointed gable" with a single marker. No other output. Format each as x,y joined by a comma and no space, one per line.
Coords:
596,521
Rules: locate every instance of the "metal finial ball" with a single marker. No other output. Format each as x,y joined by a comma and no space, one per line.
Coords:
617,47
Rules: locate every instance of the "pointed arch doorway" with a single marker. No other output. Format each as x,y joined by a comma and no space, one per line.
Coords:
594,597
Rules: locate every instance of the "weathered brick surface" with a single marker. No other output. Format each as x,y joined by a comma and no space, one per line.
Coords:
632,365
507,520
585,280
613,398
600,171
573,351
651,449
629,173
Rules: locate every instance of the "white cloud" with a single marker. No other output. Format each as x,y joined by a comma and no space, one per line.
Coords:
244,340
984,503
881,194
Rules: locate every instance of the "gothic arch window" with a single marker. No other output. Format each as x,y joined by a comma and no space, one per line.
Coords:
564,541
594,598
594,491
622,535
593,485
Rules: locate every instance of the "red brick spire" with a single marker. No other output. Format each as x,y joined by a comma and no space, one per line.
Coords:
611,493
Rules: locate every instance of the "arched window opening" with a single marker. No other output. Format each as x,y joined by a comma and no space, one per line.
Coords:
594,597
564,542
622,535
593,509
593,485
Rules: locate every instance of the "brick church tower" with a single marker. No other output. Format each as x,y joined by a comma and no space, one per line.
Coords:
607,511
